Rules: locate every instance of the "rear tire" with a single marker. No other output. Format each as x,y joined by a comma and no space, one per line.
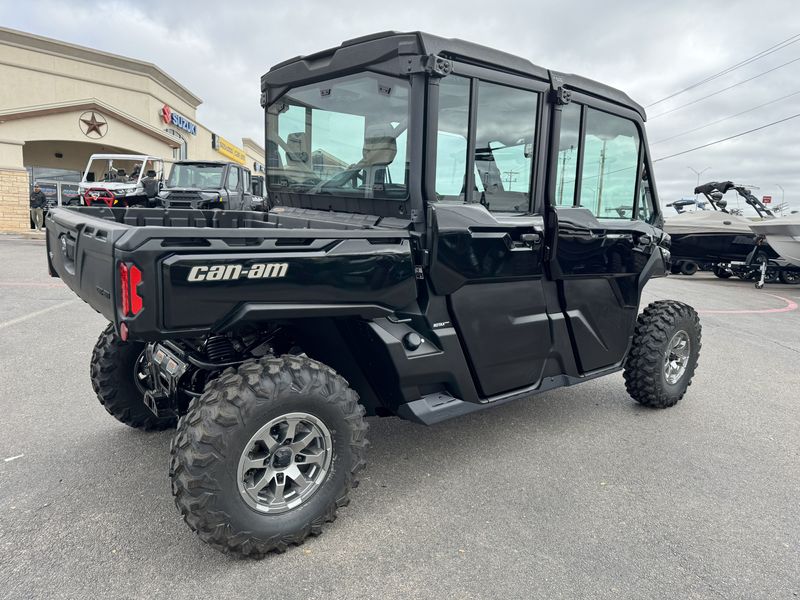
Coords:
689,268
236,465
663,356
113,370
790,277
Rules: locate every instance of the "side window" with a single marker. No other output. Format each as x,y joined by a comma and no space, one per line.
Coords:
611,155
646,207
451,139
504,143
567,169
233,178
246,180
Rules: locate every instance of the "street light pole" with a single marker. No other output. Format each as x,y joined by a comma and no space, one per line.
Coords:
780,187
698,173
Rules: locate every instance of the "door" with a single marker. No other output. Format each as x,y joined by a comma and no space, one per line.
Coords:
605,241
233,185
487,250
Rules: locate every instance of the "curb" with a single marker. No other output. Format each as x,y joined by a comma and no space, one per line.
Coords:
23,235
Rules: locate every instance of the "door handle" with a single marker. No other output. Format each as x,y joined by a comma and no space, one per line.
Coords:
531,239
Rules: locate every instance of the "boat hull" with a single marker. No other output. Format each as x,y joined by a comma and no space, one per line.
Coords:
783,235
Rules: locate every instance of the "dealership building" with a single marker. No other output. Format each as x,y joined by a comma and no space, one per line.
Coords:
61,103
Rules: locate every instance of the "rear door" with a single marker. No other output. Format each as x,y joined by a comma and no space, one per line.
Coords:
487,250
605,241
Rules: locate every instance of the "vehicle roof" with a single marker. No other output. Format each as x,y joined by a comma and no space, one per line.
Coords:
208,162
382,46
142,157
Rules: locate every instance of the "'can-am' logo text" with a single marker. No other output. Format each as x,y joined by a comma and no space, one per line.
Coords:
230,272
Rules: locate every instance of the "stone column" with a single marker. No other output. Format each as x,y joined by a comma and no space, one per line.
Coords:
14,191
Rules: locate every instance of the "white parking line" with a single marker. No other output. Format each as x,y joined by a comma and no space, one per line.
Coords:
10,458
35,314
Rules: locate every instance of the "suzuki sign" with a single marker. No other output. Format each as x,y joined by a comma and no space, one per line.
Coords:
172,118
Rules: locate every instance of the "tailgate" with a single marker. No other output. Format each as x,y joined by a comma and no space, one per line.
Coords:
80,250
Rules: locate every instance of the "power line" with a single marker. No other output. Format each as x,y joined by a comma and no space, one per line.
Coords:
677,135
727,138
779,46
730,87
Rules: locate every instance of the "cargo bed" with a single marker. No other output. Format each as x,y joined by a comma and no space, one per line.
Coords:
197,271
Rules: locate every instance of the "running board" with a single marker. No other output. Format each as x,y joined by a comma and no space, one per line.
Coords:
441,406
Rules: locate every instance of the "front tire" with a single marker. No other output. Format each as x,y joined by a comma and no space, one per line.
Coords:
114,370
689,268
663,355
267,455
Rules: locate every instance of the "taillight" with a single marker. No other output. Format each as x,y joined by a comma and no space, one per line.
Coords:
135,279
129,278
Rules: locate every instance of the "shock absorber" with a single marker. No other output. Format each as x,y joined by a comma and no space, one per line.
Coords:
219,349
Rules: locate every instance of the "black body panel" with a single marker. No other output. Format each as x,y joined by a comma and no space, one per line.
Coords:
343,272
601,268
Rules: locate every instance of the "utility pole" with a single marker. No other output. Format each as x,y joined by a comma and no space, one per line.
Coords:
510,178
783,194
698,173
563,174
600,178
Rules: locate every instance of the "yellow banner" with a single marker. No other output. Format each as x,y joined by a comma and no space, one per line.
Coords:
230,151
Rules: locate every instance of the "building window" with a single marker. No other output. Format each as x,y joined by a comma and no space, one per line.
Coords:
179,153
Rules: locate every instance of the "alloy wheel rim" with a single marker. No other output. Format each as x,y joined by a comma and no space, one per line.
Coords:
285,463
676,357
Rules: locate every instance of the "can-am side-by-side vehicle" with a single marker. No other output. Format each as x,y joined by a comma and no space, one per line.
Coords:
452,228
121,180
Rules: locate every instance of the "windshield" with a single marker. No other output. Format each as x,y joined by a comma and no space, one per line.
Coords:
343,137
197,175
118,170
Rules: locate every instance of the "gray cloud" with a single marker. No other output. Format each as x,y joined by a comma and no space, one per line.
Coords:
649,49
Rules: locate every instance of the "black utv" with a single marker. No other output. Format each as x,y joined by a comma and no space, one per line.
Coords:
212,185
454,228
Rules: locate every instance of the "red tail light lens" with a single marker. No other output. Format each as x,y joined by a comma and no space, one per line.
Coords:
124,289
135,279
129,278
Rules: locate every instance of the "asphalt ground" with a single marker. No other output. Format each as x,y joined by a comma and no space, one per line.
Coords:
576,493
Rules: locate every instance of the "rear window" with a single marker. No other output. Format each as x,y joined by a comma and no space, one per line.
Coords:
343,137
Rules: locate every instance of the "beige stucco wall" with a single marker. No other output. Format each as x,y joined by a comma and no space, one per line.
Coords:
43,79
40,77
254,152
13,188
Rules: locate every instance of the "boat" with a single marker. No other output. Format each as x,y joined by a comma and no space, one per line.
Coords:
783,236
707,236
715,239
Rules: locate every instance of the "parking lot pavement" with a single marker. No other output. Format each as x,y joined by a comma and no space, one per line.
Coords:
577,493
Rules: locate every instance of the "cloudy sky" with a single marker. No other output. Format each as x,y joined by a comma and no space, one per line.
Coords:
650,49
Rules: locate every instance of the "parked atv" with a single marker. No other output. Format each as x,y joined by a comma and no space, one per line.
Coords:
118,180
444,258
